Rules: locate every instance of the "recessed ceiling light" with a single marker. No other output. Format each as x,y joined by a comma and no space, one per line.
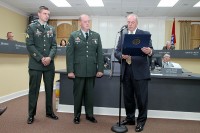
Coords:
61,3
95,3
167,3
197,4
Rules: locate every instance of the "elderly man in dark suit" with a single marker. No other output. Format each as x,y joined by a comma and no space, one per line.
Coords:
135,77
84,63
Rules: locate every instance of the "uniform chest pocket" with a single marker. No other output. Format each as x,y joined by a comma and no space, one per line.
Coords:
38,33
49,34
94,41
79,44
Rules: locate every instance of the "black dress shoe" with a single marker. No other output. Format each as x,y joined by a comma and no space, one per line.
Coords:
139,128
52,116
126,122
76,120
30,120
2,110
91,118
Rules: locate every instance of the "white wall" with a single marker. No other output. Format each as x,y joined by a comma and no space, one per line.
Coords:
108,28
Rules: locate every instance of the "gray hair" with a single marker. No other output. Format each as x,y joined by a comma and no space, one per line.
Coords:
133,15
166,55
168,42
82,15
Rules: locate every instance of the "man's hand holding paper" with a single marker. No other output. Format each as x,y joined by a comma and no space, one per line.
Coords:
147,50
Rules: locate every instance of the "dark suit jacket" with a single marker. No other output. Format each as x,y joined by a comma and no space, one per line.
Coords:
41,42
140,64
84,58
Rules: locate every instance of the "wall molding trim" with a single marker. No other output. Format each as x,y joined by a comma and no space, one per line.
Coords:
151,113
16,95
112,111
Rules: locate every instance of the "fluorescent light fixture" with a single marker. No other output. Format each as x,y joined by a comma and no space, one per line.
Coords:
61,3
197,4
95,3
167,3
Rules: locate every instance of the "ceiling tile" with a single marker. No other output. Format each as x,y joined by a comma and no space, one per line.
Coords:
144,8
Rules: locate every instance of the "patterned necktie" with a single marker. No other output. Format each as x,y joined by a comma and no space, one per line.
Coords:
86,36
128,60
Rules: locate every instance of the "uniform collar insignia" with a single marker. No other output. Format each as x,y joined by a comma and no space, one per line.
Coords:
80,35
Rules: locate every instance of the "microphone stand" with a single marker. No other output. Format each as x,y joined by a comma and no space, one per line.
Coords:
118,127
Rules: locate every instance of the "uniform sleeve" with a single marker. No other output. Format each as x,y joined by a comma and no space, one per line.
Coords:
150,42
70,54
31,45
150,45
53,50
118,51
100,55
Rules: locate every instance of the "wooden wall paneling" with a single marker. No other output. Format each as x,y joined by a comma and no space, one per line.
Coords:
195,43
195,35
64,30
195,31
74,25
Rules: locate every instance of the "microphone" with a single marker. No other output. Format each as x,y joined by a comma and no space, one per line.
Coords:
123,27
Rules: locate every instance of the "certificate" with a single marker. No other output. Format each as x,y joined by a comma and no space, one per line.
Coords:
133,43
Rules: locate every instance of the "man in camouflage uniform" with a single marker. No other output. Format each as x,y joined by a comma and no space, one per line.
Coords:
41,45
84,62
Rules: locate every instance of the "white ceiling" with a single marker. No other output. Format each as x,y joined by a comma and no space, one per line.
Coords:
143,8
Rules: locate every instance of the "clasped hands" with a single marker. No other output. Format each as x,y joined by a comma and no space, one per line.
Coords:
72,75
46,61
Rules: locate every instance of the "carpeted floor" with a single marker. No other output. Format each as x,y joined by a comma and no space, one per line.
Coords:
14,121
